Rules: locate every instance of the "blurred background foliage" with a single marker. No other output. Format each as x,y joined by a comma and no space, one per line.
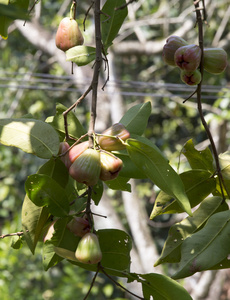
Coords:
32,82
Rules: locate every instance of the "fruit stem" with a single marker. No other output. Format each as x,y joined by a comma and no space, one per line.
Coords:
73,7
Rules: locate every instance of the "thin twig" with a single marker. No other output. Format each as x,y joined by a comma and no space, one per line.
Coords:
119,285
65,113
88,207
19,233
97,68
190,96
125,5
92,283
86,14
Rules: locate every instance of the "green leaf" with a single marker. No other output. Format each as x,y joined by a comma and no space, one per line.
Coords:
75,129
12,11
33,220
150,161
97,192
61,237
136,118
198,159
45,191
112,20
207,247
198,185
115,246
129,170
55,169
160,287
81,55
32,136
119,183
182,230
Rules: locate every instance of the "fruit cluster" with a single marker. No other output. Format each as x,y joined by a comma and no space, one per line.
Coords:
178,53
87,165
68,34
88,249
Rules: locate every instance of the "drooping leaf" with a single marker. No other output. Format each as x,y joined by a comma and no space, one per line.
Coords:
115,246
33,220
112,20
198,159
207,247
150,161
75,129
81,55
136,118
32,136
182,230
45,191
198,185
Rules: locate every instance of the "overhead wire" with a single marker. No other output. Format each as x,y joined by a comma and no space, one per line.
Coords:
49,82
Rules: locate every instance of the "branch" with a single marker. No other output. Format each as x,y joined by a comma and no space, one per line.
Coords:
119,285
199,103
97,68
19,233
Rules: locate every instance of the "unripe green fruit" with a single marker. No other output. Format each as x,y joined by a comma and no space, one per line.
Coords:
79,226
113,143
110,166
215,60
68,34
224,160
88,249
188,57
191,78
87,167
172,44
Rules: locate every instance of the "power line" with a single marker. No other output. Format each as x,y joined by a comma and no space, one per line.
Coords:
48,82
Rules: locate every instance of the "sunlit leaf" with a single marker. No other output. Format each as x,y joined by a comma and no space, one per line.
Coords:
136,118
150,161
32,136
45,191
198,185
198,159
207,247
182,230
81,55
